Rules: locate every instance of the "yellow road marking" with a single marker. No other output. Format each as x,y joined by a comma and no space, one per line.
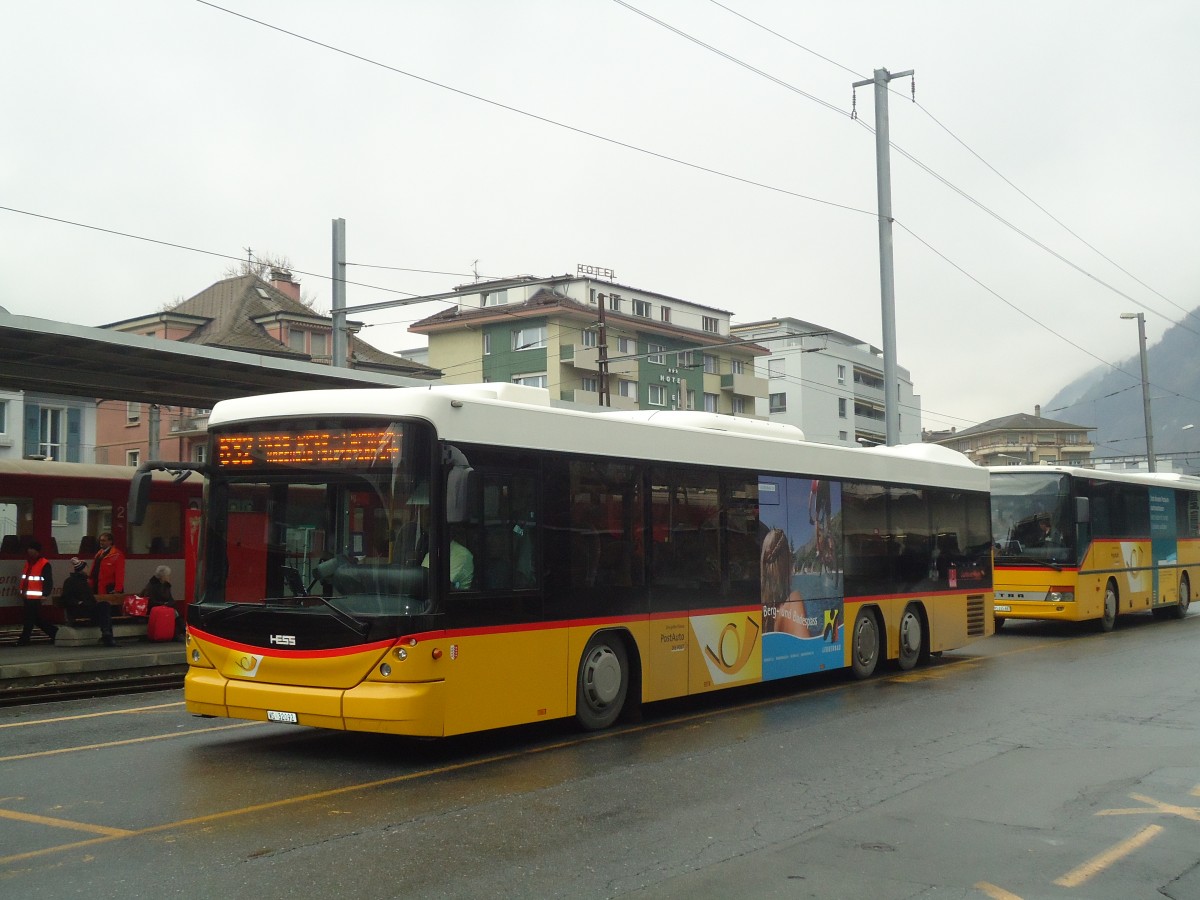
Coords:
140,740
1154,806
1102,861
996,893
63,823
111,712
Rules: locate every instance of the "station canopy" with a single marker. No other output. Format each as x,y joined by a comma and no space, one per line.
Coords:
60,358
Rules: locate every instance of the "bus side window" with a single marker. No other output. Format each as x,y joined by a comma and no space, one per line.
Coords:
509,559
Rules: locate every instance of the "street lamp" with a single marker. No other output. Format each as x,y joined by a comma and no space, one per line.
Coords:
1141,320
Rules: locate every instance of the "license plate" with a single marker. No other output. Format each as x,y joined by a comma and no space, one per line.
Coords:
1002,608
276,716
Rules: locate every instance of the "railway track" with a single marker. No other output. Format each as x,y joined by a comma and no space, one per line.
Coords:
131,681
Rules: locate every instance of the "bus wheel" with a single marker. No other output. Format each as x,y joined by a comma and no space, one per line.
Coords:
864,647
1185,599
911,637
1109,619
1000,620
603,682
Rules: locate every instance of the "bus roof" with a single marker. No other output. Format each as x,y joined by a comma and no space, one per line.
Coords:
1162,479
516,416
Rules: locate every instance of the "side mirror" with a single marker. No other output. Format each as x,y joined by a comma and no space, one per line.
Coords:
139,497
1083,510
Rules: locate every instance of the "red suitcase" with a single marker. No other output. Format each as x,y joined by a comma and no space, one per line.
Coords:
161,625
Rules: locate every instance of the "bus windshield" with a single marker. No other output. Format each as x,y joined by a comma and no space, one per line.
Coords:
330,516
1031,518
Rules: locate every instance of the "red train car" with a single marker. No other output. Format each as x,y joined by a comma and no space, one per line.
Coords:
66,506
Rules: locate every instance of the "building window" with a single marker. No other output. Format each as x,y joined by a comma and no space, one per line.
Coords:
296,339
199,453
841,374
590,384
627,389
776,368
3,416
710,324
532,338
133,458
641,308
657,395
538,380
778,403
588,338
51,433
739,406
685,359
737,366
487,344
841,407
710,403
614,302
842,436
711,364
319,345
626,345
654,354
495,298
690,402
133,413
664,313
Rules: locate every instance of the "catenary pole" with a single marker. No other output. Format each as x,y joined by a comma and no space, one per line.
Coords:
338,307
883,170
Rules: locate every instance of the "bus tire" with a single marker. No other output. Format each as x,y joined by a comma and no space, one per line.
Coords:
1108,619
864,644
603,681
999,620
912,637
1179,610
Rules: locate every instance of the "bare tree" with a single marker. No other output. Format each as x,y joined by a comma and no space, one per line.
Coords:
261,266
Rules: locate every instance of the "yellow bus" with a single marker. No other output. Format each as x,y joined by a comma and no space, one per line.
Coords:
1079,545
434,561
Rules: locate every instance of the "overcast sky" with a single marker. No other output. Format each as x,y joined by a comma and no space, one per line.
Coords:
179,122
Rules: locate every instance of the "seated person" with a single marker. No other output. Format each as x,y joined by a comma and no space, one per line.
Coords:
462,566
79,601
158,592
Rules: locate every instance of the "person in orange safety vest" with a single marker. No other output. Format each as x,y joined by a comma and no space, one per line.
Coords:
35,585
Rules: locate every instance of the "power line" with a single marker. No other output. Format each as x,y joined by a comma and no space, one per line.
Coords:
531,115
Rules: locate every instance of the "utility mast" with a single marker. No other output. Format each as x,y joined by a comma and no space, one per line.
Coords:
887,287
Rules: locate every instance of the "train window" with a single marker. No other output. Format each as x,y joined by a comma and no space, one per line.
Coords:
16,522
75,524
159,533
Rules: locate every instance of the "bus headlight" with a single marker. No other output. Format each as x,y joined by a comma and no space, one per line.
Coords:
1058,595
401,654
385,670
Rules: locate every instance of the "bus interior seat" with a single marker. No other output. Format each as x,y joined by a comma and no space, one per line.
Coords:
88,546
10,545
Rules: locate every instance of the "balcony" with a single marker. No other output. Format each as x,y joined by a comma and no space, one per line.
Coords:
586,359
190,426
745,385
580,397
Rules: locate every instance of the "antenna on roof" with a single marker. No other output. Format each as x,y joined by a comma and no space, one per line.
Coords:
475,269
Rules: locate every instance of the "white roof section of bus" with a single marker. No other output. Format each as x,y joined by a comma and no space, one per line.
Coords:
1161,479
516,416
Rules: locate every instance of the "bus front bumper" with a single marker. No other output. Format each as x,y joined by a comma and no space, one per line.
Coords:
416,708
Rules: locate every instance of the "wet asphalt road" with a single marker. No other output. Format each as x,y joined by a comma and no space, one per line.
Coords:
1044,762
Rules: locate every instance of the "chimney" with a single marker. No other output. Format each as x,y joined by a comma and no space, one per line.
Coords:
282,281
1037,407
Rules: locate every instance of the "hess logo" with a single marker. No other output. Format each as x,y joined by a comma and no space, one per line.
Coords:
283,640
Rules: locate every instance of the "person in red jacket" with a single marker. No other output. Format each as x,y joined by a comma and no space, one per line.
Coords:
34,586
108,568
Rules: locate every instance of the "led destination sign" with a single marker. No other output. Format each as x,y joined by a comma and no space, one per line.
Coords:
311,449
